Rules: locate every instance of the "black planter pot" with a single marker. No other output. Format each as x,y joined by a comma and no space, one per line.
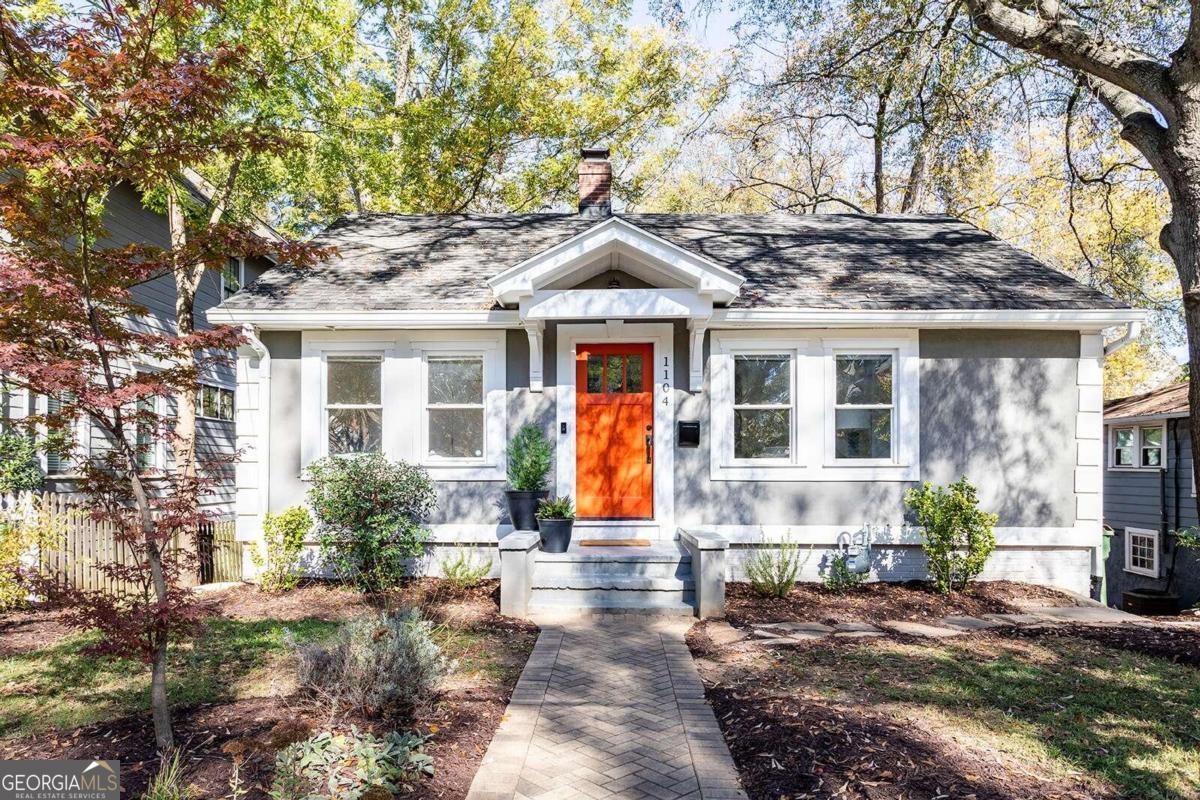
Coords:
556,534
1150,602
522,506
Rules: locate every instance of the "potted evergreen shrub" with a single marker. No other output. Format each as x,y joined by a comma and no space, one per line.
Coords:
528,468
556,518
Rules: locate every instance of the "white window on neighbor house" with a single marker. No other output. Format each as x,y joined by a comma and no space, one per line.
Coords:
353,404
763,407
863,406
1141,551
1137,447
233,276
214,402
454,424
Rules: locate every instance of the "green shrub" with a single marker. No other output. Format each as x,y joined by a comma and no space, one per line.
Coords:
958,535
350,766
19,470
283,536
556,508
463,572
773,570
840,579
378,663
169,784
528,460
369,510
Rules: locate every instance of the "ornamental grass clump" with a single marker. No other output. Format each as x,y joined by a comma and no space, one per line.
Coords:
774,570
381,663
958,534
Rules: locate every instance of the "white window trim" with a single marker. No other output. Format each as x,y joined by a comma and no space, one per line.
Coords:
401,392
241,276
200,406
492,464
813,424
1129,534
1137,447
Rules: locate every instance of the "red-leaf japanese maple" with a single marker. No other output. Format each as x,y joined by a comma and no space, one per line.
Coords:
89,103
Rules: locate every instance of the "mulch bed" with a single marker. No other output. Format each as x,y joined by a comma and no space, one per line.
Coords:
1180,645
791,746
461,722
25,631
880,601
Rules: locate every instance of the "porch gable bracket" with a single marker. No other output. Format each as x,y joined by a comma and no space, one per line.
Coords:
534,329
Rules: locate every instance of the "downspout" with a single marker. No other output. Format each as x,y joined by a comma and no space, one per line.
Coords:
264,414
1132,331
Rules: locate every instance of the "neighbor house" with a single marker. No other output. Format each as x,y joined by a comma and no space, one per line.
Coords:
736,380
1149,491
127,220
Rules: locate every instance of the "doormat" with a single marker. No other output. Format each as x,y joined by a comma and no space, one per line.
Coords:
614,543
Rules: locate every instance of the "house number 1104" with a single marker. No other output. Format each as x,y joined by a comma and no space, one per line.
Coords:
666,387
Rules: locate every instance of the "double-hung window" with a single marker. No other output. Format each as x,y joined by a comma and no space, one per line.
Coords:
454,408
1137,447
1141,551
233,277
864,406
214,402
763,406
353,405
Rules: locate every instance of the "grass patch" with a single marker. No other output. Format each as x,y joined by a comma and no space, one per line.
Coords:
63,686
1074,705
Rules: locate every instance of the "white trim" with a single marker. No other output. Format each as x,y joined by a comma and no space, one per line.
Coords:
1081,319
722,318
1122,422
615,304
1137,448
241,277
902,534
661,336
364,319
522,280
812,454
1155,536
535,330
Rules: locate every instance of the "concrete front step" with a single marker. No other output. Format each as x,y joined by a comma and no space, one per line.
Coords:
658,577
600,599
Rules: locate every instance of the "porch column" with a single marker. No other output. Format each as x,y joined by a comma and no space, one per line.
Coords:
518,556
708,571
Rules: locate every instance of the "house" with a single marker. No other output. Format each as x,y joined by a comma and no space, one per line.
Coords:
1149,490
724,381
127,220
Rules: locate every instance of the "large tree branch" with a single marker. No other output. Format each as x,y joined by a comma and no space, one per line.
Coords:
1063,40
1139,126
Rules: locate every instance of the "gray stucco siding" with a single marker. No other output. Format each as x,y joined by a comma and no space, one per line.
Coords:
997,406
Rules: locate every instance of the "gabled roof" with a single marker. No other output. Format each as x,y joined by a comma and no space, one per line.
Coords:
1166,401
824,261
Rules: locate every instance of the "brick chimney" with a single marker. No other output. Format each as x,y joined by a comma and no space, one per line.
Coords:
595,182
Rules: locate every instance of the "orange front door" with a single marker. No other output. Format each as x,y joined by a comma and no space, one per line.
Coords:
614,425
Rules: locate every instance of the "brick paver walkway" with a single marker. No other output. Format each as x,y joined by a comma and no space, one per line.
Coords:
608,708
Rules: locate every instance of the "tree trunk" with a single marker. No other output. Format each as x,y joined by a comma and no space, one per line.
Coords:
160,707
187,281
877,140
918,173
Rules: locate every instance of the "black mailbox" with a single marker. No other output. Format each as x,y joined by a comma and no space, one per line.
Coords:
689,433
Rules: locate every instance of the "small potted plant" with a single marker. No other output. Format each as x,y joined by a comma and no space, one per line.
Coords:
528,468
556,518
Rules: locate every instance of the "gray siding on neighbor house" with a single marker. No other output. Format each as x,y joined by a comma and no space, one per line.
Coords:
997,406
1155,500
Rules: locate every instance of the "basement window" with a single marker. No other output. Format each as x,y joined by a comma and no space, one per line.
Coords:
1141,552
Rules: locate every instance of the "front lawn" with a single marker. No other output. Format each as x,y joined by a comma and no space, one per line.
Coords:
1067,712
233,686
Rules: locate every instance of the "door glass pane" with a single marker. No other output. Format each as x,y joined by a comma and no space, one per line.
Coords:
864,380
762,433
355,430
615,380
633,374
595,374
353,381
456,432
762,380
455,380
863,433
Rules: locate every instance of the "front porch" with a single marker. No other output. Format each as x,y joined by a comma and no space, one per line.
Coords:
684,576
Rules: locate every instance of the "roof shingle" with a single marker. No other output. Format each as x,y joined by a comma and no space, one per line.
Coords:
824,261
